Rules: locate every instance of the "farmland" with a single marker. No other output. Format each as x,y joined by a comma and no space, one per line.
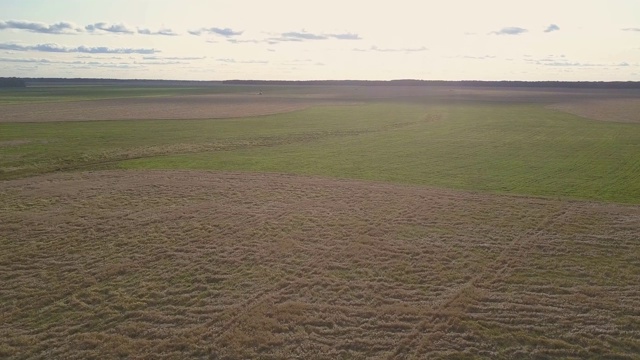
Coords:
319,222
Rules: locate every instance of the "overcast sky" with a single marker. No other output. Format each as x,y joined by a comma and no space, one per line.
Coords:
298,40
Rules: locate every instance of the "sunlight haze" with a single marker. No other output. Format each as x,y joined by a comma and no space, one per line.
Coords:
294,40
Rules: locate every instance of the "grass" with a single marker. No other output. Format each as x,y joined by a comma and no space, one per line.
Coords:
521,149
43,147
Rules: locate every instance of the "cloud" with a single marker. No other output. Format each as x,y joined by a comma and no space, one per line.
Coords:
298,36
75,64
565,63
291,36
561,62
226,32
512,30
346,36
55,48
631,29
234,61
237,41
70,28
160,62
552,27
102,27
406,50
306,36
28,60
165,32
303,62
38,27
483,57
147,61
174,57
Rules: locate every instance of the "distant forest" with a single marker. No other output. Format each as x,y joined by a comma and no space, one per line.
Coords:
112,82
463,83
12,83
22,82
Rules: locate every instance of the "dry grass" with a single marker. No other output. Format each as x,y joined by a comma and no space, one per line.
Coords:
618,110
9,143
235,265
165,107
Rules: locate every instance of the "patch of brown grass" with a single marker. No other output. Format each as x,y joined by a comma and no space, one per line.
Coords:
9,143
234,265
155,108
619,110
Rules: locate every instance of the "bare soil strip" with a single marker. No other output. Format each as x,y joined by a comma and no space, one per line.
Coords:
9,143
171,107
618,110
239,265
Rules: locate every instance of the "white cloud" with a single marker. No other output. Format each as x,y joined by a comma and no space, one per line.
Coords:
102,27
551,28
55,48
164,32
62,27
512,30
226,32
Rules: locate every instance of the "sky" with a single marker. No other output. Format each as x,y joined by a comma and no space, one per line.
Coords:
531,40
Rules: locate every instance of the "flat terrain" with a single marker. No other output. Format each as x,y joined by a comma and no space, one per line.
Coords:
319,222
242,265
145,108
470,140
619,110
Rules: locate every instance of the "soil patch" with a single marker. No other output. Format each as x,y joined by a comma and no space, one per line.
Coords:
9,143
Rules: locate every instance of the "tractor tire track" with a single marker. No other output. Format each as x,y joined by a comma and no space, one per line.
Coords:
505,258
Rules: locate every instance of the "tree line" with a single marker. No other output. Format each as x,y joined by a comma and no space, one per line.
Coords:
465,83
12,83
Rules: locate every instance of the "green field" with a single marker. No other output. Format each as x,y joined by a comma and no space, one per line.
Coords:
511,149
494,147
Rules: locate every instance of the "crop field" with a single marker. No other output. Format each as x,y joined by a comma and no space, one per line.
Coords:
319,222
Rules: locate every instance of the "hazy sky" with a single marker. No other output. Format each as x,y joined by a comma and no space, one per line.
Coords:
346,39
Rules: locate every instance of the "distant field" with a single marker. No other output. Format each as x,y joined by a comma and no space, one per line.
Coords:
618,110
159,107
47,94
314,222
